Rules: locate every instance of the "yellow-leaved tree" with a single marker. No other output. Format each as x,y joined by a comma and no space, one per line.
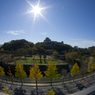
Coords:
75,70
10,74
2,49
2,73
91,65
51,72
51,92
20,72
36,74
6,90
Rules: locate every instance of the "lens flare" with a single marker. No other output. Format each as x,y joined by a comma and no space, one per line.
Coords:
36,10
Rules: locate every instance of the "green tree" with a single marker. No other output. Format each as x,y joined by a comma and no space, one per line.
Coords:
44,56
12,56
55,53
19,52
20,73
30,51
35,73
75,70
40,50
34,50
2,73
51,92
24,52
51,72
71,57
40,58
49,52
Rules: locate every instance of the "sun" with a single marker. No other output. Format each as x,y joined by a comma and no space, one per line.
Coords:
36,10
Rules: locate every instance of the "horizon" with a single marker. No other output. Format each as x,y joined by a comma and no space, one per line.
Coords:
43,41
69,21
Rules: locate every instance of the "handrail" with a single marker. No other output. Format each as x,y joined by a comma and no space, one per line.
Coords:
47,83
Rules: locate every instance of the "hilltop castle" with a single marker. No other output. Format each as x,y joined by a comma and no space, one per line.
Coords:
48,40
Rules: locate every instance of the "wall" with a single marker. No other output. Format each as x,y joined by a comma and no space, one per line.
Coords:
27,67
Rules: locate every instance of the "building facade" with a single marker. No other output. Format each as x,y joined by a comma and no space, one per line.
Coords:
48,40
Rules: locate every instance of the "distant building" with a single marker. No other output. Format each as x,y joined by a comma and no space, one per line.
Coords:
93,47
48,40
76,47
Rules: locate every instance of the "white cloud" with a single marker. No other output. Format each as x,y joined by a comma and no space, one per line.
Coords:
44,33
15,32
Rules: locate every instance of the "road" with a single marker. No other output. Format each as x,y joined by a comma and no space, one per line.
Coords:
88,91
78,87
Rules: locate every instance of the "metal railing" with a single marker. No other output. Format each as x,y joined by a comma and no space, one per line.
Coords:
44,83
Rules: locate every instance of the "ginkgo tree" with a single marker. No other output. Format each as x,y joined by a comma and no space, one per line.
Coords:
75,70
6,90
2,73
91,66
36,74
51,92
10,73
51,72
20,73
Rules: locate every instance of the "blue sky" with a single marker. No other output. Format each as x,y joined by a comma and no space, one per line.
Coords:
70,21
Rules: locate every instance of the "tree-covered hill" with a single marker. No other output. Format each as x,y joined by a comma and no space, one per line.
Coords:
42,47
18,48
17,44
54,47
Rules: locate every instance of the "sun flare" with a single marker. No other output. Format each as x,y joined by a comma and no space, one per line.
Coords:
36,10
